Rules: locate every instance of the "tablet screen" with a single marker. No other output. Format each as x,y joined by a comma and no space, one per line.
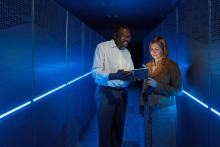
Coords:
140,73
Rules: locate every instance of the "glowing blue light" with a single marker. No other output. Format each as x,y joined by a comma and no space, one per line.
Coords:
42,96
49,92
215,111
197,100
64,85
79,78
15,109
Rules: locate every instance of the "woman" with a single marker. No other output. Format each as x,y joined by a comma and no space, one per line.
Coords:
158,96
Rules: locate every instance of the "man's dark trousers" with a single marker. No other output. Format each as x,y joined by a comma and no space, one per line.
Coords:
111,106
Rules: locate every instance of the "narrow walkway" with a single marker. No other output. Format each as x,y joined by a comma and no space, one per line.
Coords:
134,125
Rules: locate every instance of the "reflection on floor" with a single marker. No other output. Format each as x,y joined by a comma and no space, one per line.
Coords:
134,125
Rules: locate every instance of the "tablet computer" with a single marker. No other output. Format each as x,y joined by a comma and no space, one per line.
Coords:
140,73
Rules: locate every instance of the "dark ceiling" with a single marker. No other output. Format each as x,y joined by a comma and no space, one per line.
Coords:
102,15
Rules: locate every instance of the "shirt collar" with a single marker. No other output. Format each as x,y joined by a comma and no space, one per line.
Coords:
113,45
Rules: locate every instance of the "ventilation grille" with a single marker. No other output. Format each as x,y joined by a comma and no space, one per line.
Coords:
14,12
74,31
169,24
215,17
193,19
52,18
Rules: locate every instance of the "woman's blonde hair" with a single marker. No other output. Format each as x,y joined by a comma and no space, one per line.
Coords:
162,44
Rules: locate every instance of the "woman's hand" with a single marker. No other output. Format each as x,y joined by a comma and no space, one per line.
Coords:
150,82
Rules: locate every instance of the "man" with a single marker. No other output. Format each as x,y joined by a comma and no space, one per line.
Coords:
111,70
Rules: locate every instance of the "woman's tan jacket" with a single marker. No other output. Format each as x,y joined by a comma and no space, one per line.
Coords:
169,83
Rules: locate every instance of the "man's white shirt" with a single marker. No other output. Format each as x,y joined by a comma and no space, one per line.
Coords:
108,59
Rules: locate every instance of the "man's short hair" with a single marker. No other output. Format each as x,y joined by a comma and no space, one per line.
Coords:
120,26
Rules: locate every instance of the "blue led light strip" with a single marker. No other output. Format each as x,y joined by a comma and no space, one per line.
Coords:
15,109
42,96
197,100
201,103
79,78
49,92
60,87
215,111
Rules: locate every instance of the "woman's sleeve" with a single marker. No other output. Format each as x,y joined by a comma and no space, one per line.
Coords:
174,88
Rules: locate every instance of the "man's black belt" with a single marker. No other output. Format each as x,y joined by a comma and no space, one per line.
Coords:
112,88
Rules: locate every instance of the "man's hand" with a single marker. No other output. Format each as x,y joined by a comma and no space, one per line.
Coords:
120,75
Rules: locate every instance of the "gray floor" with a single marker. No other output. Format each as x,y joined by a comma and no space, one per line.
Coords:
134,125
